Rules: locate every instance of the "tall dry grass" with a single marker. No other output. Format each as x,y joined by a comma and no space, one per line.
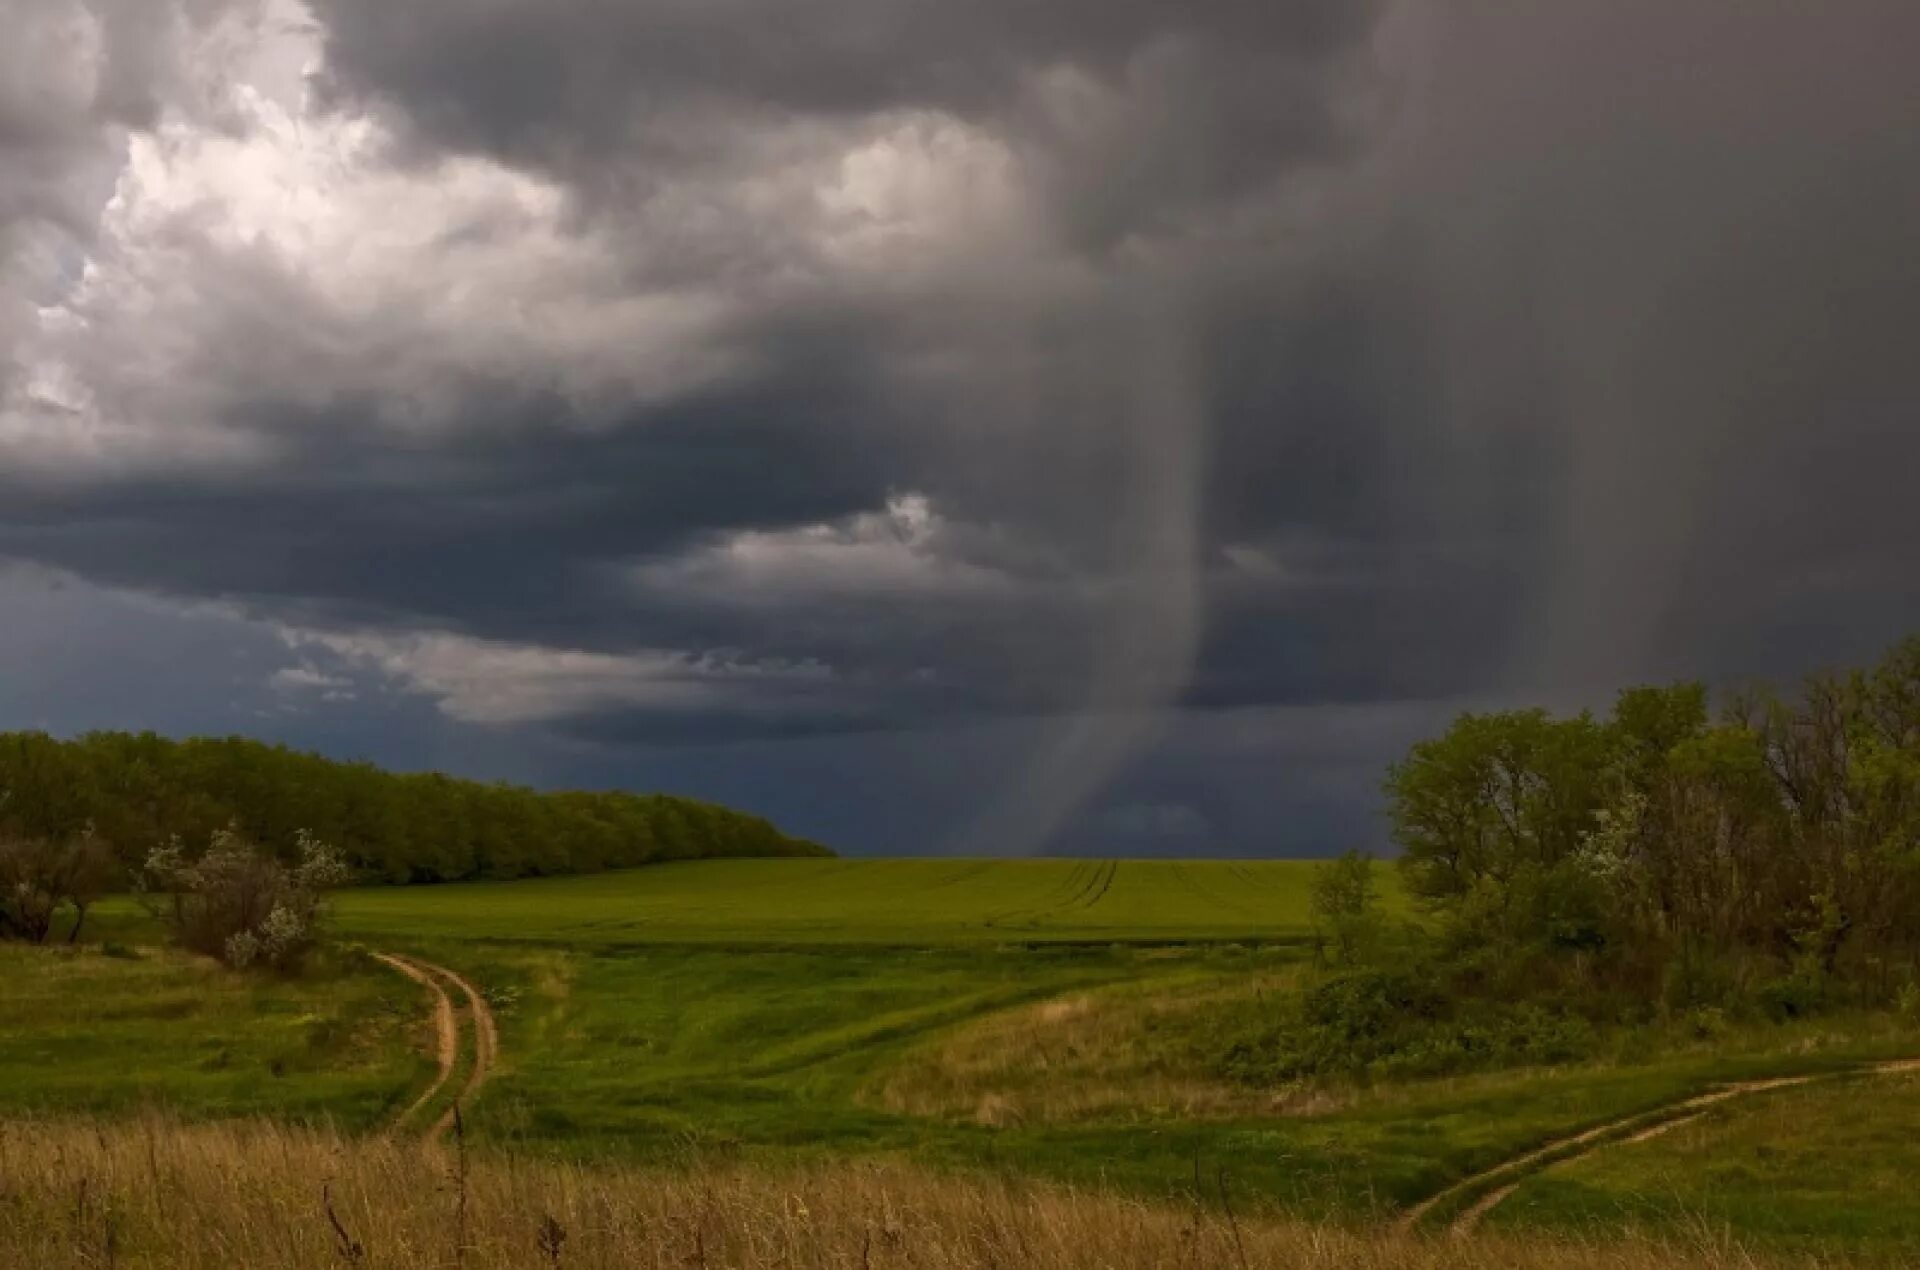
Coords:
154,1193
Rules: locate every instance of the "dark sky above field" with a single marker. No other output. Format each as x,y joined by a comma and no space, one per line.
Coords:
947,425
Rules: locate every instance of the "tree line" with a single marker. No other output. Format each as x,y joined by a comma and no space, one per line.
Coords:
128,794
1769,850
1672,862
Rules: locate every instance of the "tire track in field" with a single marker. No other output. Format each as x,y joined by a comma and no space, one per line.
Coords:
964,873
1096,887
1488,1188
1054,898
480,1023
1106,884
446,1034
486,1044
1088,883
1200,886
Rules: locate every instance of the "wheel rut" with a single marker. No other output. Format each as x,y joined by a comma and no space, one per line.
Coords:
473,1029
1484,1191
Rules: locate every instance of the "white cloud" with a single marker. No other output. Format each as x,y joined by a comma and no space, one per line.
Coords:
258,248
919,193
905,549
306,679
263,254
492,682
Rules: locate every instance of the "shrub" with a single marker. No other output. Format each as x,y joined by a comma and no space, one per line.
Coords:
240,904
1792,997
1403,1023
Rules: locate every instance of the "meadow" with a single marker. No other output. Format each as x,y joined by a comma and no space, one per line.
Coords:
1057,1022
1812,1169
127,1029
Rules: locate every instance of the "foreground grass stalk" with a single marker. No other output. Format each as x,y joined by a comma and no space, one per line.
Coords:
196,1197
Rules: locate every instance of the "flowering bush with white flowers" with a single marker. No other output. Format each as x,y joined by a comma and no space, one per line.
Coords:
242,904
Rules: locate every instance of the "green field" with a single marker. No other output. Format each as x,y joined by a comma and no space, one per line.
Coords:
688,1054
1058,1019
909,903
1824,1168
84,1031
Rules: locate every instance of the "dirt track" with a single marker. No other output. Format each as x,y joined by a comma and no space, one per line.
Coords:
1491,1186
447,1042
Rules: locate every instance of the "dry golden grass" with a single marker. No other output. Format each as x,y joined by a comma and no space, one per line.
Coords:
155,1193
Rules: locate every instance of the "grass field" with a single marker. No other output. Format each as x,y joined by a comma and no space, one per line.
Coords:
84,1031
908,903
1054,1020
1822,1168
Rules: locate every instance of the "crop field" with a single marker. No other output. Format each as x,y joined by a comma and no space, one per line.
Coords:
913,903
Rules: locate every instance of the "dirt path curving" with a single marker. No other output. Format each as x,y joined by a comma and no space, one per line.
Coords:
1490,1187
486,1042
446,1034
447,1040
1506,1177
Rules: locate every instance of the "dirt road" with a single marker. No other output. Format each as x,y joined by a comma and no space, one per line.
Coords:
450,1025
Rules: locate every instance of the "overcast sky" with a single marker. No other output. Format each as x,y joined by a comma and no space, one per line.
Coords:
947,425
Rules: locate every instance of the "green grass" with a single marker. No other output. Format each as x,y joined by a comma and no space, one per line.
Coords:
87,1031
765,1008
681,1054
1825,1167
908,903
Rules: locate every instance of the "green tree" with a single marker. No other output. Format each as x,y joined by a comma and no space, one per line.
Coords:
142,791
1343,898
1497,798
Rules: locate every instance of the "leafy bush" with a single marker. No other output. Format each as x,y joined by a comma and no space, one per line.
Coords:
1790,997
1399,1022
240,904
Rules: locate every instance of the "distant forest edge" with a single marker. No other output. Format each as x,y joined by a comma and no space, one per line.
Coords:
136,792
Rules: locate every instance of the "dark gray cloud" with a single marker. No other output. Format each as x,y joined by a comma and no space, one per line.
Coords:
1132,108
604,379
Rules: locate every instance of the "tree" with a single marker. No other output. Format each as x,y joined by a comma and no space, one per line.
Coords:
1343,904
141,791
1648,723
1498,797
39,877
90,871
1776,851
29,888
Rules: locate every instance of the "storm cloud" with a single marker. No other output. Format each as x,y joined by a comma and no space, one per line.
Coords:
1031,396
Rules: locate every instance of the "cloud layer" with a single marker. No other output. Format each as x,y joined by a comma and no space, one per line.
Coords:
603,376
